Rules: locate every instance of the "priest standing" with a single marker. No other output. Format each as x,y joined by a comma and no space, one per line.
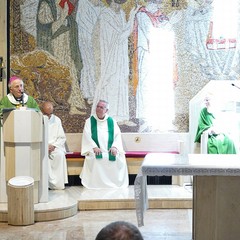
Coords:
105,163
16,97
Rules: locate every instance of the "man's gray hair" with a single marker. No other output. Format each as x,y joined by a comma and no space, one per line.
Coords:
106,102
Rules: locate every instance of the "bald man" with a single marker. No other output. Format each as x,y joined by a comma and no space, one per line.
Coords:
56,149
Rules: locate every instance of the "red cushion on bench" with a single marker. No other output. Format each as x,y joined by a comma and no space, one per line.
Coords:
142,154
136,154
74,155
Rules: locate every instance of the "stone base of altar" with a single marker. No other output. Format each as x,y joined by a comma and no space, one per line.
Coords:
216,207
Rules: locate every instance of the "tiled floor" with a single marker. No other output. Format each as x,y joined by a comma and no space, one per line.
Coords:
160,224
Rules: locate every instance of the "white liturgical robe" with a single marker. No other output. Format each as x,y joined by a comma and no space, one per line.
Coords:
100,173
57,160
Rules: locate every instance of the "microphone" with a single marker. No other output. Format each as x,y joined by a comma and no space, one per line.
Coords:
235,86
22,99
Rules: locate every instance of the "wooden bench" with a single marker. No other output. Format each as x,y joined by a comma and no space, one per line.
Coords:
136,146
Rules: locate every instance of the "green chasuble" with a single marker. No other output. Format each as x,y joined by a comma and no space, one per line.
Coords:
110,135
31,103
217,143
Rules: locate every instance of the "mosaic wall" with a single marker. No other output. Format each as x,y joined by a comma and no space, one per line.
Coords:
76,52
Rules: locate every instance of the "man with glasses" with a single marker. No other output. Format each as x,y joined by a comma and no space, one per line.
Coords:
105,163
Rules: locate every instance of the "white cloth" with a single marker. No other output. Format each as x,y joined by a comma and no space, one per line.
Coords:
102,173
13,100
57,160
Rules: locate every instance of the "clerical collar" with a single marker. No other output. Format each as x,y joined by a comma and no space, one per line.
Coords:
19,99
101,120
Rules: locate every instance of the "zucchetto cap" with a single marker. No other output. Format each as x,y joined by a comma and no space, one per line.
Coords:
13,78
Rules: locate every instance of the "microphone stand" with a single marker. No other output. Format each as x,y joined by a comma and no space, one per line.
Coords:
22,99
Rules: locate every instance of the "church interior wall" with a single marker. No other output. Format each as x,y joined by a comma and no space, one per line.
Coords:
50,70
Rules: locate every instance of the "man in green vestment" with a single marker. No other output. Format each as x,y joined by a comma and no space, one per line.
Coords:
17,97
105,163
218,142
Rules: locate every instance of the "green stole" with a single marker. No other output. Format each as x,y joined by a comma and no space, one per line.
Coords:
110,135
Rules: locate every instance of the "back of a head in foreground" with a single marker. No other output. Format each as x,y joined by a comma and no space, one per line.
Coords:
119,230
